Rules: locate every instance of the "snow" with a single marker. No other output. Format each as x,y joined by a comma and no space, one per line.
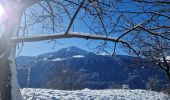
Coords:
68,49
64,71
103,54
78,56
61,59
58,59
167,58
2,28
50,55
87,94
44,58
1,56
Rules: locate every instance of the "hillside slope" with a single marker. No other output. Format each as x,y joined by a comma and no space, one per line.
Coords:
94,71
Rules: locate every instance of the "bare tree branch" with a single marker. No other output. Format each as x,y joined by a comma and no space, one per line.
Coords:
42,37
154,1
74,16
69,35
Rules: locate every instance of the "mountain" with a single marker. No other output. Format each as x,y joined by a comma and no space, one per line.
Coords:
74,68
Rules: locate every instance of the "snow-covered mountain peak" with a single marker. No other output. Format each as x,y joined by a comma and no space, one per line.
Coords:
73,49
69,52
78,56
103,54
62,53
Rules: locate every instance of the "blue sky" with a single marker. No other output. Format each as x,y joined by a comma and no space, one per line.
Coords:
33,49
36,48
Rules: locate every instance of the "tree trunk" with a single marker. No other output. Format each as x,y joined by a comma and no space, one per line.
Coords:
8,81
9,88
5,75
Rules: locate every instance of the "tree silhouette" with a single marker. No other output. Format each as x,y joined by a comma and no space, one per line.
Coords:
120,21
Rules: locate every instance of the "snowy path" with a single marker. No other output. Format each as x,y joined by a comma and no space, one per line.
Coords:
86,94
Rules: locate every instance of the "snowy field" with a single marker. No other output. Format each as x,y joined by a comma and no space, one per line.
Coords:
86,94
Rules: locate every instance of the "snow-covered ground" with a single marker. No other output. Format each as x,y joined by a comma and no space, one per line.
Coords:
87,94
